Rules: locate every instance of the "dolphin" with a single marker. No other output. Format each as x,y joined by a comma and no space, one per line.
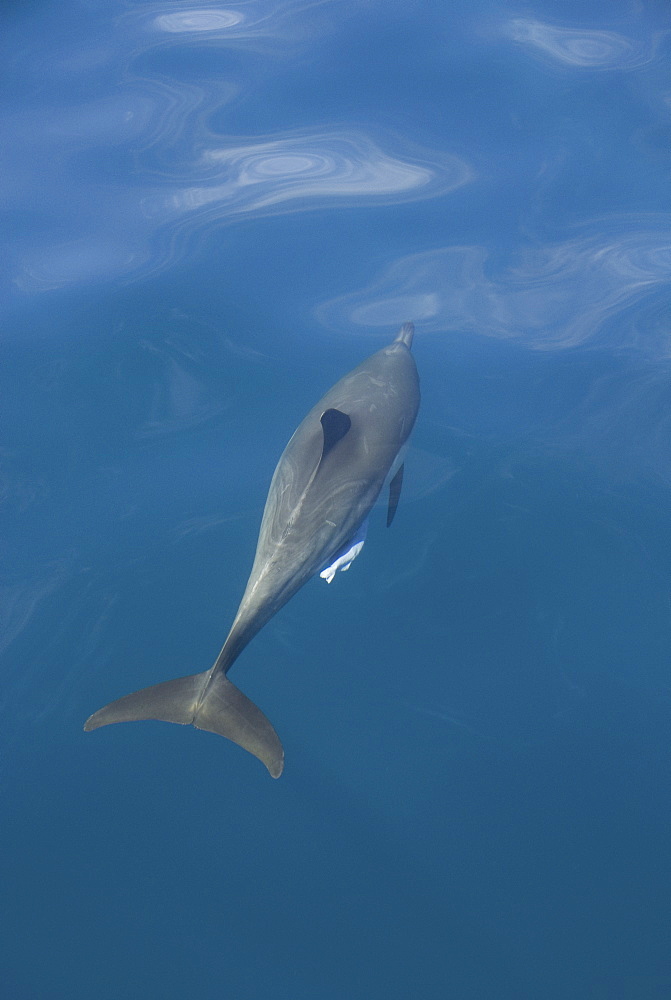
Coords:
326,482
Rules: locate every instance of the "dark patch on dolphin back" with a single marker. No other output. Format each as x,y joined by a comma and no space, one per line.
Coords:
394,494
335,425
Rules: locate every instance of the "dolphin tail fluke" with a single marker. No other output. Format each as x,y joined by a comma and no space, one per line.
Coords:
172,701
207,701
227,711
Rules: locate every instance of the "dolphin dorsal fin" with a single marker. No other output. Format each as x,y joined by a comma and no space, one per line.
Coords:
335,425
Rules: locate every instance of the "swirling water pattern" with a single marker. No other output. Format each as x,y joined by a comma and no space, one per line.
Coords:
116,222
210,211
556,296
579,47
268,176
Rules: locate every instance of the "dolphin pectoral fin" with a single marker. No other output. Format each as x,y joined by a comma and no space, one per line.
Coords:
223,710
394,494
227,711
335,424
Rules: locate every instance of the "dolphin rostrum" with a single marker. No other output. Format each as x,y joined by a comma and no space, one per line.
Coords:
325,484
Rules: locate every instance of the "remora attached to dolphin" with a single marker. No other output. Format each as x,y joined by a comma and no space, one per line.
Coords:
325,484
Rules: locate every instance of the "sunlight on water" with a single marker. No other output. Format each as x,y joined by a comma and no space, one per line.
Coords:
262,176
127,175
251,22
84,260
579,47
295,173
198,20
550,297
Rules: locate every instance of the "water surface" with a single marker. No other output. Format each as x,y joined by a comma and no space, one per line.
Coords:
211,212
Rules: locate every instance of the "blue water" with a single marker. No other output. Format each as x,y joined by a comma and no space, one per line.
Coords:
210,214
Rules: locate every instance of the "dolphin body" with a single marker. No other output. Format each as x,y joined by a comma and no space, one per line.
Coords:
325,484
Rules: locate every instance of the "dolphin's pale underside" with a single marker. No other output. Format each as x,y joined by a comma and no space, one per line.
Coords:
325,484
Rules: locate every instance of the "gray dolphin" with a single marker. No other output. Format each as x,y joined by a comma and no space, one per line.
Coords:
325,484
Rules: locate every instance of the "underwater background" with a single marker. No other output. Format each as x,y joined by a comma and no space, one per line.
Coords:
210,214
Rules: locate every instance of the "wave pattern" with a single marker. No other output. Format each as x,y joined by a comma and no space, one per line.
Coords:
306,171
549,297
125,169
249,22
579,47
198,20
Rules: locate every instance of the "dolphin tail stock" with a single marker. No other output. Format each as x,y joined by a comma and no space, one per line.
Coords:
207,701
